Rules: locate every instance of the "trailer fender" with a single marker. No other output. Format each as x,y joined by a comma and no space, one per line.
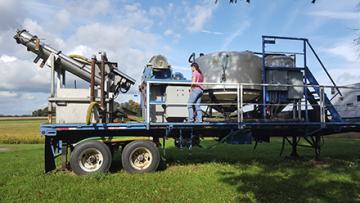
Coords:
115,139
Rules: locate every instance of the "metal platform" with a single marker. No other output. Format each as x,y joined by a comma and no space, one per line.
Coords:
118,129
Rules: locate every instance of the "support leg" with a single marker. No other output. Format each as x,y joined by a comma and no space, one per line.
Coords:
294,154
49,155
64,156
294,144
317,147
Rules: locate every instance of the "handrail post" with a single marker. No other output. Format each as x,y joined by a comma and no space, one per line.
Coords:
148,105
322,65
238,103
305,82
322,107
263,79
241,106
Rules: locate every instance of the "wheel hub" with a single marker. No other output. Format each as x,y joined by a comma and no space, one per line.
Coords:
91,160
141,158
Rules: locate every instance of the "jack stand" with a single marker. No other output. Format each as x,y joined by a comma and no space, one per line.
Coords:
294,144
64,156
191,142
317,148
294,154
163,147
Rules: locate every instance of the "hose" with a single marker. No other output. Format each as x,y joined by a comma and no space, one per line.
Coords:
90,110
80,58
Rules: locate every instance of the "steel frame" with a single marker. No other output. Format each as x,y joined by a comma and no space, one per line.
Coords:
59,138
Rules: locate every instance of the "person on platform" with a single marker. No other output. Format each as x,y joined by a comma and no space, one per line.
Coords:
196,91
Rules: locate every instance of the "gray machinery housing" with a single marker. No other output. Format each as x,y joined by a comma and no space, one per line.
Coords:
73,105
246,67
158,68
234,67
348,105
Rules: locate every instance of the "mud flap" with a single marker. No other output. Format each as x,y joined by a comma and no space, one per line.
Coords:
49,155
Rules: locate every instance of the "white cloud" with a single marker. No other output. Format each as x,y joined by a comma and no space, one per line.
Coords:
7,94
87,8
21,103
212,32
170,33
157,11
7,59
63,17
243,26
134,16
345,49
347,74
340,15
199,15
11,14
22,76
45,35
329,10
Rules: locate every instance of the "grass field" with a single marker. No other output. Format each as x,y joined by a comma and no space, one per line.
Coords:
227,173
25,131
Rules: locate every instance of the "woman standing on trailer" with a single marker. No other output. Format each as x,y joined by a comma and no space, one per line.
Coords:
196,91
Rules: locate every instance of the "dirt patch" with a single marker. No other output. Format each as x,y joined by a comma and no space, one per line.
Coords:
354,135
319,164
2,149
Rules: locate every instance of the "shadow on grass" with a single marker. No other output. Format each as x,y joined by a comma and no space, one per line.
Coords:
262,175
335,149
287,184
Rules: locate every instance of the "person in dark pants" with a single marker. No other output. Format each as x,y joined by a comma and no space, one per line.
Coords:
196,92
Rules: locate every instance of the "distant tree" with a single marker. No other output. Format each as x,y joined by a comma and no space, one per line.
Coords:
130,107
40,112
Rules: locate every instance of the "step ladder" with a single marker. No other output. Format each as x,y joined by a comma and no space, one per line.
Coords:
311,97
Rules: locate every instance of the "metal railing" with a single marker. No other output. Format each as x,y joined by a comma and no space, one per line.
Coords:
240,89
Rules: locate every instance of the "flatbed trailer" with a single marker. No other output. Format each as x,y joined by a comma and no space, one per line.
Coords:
87,145
62,138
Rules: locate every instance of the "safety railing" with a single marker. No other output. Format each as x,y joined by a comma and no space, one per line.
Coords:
305,54
238,99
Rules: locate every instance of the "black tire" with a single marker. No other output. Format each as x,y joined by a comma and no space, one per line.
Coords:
140,157
90,157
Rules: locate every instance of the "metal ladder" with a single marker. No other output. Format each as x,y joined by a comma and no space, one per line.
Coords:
309,78
334,115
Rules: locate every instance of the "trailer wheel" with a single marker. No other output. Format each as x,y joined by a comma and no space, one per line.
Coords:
90,157
140,157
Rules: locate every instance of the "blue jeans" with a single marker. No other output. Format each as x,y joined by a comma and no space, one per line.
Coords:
194,101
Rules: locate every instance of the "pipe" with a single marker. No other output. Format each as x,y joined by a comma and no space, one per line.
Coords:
80,58
77,65
92,79
91,108
102,85
43,51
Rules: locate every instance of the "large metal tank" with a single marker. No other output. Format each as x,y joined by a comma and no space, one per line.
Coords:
348,105
230,67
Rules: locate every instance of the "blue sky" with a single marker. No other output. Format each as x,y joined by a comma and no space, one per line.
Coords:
132,31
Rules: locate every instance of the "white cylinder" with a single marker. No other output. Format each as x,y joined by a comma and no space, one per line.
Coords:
231,67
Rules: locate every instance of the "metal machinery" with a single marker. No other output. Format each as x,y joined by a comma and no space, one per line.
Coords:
248,96
72,105
158,69
348,105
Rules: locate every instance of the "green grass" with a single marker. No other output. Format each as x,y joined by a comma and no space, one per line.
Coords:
25,131
227,173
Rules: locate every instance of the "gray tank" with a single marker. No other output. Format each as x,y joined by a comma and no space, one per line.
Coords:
230,67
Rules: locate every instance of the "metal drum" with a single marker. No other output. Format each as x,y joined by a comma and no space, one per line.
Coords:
230,67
